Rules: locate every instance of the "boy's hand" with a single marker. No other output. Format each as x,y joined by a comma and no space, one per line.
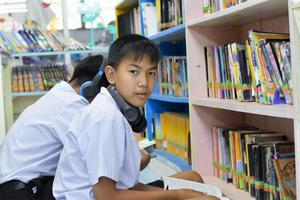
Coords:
189,194
145,159
209,197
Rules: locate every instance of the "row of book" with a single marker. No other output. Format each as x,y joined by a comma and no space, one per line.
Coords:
211,6
172,76
156,16
34,40
36,77
170,13
171,133
258,70
129,22
258,161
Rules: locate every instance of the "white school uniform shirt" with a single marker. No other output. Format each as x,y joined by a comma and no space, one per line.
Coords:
33,144
99,143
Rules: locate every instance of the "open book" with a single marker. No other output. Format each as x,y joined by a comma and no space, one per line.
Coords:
148,146
175,183
143,144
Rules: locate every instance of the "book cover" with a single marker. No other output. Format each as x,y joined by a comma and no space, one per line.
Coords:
286,175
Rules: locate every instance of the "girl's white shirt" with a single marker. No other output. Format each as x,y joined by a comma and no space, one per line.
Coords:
33,144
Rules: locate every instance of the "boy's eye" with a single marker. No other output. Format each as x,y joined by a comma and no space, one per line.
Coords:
133,71
152,73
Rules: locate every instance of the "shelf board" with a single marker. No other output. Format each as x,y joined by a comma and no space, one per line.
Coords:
176,33
167,98
283,111
296,4
26,94
127,4
173,159
228,189
249,11
96,50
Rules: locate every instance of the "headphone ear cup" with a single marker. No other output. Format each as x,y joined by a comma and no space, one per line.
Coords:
132,114
141,126
88,90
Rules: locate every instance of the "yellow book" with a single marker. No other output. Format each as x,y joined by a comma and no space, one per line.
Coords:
255,79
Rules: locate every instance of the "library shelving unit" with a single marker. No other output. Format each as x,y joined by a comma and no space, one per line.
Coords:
171,43
223,27
12,104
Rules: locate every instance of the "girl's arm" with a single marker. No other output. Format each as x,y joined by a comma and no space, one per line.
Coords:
105,189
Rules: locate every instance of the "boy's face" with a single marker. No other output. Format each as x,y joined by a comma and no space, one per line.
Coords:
135,80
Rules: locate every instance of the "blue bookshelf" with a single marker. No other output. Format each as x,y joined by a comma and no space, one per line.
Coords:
27,94
171,43
176,33
170,99
172,160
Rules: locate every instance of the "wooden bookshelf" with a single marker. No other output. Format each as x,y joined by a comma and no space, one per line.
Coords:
283,111
243,13
228,26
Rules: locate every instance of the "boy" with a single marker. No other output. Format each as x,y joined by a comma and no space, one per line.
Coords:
101,158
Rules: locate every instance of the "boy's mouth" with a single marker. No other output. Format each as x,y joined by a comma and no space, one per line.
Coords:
142,95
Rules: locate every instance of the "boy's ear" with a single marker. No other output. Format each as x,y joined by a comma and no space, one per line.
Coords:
110,74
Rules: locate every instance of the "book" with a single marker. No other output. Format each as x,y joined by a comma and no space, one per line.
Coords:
143,144
175,183
286,175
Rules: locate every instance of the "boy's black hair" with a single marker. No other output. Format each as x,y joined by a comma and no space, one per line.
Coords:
87,69
134,47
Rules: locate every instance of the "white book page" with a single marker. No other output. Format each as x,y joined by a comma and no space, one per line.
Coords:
175,183
146,143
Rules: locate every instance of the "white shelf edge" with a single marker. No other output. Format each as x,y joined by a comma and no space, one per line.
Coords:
96,50
282,111
27,94
235,14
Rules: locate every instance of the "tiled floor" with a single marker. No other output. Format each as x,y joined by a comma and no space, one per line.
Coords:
158,167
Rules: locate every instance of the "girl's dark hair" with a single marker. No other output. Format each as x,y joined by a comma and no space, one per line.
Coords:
87,69
134,47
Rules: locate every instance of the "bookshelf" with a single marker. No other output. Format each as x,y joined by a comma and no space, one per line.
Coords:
171,43
228,26
175,33
11,104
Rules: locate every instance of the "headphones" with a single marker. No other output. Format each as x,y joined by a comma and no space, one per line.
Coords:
90,89
133,114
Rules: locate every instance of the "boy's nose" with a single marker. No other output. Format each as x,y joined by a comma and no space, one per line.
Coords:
143,82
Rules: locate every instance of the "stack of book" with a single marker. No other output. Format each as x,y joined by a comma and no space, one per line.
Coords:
172,76
34,40
36,77
211,6
171,133
259,69
258,161
170,13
